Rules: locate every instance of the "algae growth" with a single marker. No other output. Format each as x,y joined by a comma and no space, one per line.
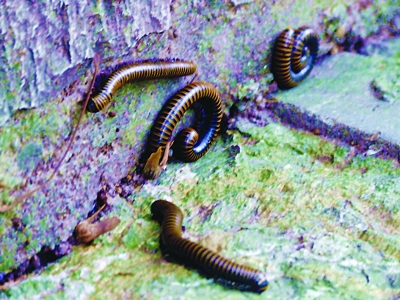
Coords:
229,41
267,198
268,208
339,90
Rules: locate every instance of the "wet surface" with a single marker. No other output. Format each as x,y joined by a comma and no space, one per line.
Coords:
338,93
309,106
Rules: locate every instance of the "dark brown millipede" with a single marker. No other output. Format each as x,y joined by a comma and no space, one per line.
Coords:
138,71
293,56
170,216
189,145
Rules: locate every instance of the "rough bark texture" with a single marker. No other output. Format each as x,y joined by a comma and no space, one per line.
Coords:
44,43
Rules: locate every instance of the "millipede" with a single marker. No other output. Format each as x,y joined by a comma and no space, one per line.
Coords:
137,71
170,217
189,144
294,55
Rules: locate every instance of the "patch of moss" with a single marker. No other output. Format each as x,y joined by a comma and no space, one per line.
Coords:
276,194
387,80
276,208
29,157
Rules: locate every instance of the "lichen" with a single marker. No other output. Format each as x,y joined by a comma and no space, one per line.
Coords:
282,191
275,207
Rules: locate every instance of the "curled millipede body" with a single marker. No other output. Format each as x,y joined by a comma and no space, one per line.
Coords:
189,144
138,71
293,56
170,216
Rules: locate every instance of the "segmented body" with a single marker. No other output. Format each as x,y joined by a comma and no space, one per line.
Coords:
294,55
189,144
170,216
138,71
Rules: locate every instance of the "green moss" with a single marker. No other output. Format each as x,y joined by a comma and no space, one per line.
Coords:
29,157
274,206
282,204
8,259
204,47
387,80
22,145
2,227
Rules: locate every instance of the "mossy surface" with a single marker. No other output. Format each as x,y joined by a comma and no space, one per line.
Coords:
230,42
108,143
357,90
318,229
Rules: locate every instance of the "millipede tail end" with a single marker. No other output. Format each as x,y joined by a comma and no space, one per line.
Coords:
208,261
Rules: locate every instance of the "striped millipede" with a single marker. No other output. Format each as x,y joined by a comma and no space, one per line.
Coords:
138,71
170,217
293,56
188,146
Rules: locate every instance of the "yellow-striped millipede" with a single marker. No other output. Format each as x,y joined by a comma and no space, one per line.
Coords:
293,56
189,145
137,71
170,216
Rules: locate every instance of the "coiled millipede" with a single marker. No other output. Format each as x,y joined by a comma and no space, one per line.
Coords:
189,144
293,56
137,71
170,216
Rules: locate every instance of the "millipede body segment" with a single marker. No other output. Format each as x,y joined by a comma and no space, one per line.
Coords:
294,55
138,71
170,216
189,144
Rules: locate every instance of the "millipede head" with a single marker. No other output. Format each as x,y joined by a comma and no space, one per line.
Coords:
160,208
91,107
262,282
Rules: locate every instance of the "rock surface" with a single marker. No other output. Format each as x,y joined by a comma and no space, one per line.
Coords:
230,42
43,45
